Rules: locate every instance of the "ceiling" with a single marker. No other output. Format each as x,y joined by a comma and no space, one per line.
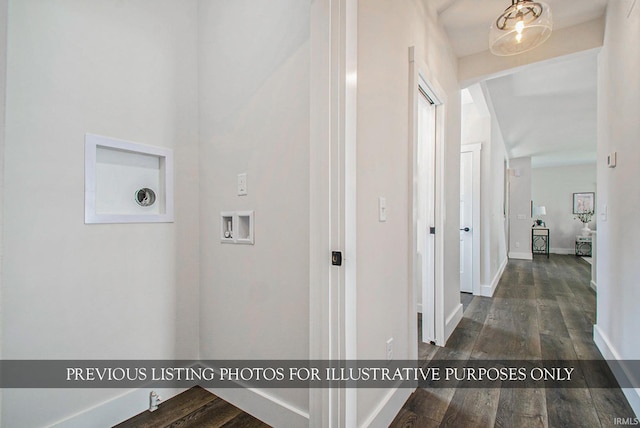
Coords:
546,110
549,111
467,22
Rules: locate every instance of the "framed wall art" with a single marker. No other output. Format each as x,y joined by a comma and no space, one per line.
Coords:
583,202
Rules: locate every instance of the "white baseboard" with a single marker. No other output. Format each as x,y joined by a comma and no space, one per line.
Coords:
452,321
487,290
264,406
258,403
116,410
624,375
520,256
594,286
386,411
564,251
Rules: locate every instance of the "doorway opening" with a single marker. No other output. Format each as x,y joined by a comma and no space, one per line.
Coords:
425,201
427,246
470,177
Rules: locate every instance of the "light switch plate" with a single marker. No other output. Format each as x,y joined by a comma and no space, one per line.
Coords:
242,184
382,209
603,213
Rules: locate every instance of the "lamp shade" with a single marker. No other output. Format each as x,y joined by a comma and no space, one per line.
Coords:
523,26
539,210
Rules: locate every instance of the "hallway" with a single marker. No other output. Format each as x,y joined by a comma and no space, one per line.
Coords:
543,309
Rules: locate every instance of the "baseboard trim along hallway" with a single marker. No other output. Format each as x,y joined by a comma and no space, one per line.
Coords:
624,375
487,290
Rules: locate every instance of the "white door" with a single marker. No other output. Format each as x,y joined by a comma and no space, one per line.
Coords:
466,222
426,212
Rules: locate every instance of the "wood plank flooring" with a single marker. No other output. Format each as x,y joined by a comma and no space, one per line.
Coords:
543,309
196,407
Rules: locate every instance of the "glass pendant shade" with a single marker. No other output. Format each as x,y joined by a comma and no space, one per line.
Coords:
523,26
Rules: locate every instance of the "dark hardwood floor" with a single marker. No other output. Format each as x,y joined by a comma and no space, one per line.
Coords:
196,407
543,309
466,299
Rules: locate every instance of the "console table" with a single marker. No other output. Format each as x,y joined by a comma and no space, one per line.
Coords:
540,240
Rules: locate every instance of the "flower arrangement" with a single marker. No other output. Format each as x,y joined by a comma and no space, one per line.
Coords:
584,217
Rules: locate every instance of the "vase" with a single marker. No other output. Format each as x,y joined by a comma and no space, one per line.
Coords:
585,230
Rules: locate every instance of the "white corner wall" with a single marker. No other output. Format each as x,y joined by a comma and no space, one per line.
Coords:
386,30
254,101
520,208
76,291
3,85
553,187
497,208
617,196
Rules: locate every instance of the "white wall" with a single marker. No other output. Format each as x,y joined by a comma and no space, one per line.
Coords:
254,67
553,188
616,331
499,206
479,125
3,79
520,208
80,291
475,125
385,32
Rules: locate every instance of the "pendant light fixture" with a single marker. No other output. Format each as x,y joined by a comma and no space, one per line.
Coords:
523,26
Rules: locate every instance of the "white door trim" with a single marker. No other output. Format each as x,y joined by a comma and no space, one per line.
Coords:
332,197
419,71
475,149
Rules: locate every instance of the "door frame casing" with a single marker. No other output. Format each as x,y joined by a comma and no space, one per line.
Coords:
332,196
419,71
476,230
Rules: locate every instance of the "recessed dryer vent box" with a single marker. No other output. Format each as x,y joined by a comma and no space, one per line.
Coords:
127,182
